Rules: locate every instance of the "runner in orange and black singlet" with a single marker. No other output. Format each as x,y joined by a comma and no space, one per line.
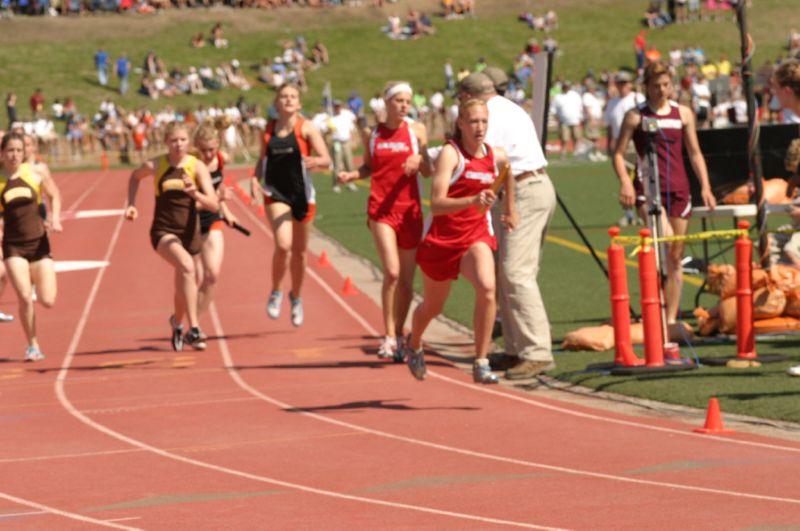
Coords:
284,166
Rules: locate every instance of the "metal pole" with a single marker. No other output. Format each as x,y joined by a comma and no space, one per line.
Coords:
753,148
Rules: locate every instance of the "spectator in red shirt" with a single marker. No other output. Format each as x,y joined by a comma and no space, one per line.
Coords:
37,103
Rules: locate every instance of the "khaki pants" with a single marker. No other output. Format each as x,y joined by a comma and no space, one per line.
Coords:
526,330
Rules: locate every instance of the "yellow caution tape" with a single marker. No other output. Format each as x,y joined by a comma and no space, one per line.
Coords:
707,235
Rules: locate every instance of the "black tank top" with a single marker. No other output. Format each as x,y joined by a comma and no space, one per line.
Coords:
22,222
285,175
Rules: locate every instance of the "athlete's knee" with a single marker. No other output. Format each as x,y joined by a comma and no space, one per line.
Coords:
485,291
391,275
48,300
210,277
186,267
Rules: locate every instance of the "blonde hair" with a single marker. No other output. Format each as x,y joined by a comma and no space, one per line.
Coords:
653,71
465,106
792,159
172,127
788,75
205,133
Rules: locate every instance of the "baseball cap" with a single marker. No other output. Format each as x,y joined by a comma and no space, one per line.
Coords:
498,77
623,76
477,83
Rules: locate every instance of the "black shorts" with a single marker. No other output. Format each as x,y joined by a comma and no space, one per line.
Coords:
32,251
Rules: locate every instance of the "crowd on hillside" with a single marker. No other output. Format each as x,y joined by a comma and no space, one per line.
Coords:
81,7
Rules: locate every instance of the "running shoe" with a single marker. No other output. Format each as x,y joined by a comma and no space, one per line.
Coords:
34,297
177,334
274,304
195,339
482,372
33,354
352,187
387,348
400,352
415,359
5,317
297,310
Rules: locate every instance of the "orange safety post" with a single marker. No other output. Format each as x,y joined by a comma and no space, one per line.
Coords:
620,303
651,303
745,337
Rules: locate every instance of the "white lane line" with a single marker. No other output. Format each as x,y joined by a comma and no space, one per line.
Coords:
126,519
64,266
66,456
523,399
65,514
85,194
69,407
14,515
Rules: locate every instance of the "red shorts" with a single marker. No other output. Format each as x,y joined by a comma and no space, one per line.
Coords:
312,209
676,204
444,263
407,225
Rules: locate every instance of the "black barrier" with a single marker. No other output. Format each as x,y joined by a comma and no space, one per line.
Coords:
725,152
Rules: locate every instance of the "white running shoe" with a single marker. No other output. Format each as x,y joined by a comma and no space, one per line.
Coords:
352,187
297,310
387,348
33,354
6,317
274,304
793,371
337,189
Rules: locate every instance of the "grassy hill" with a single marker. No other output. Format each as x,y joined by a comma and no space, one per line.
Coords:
57,53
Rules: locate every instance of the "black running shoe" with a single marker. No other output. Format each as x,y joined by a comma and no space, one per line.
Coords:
177,334
195,339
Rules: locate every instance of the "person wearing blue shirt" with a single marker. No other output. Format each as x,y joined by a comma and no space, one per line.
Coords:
123,69
101,63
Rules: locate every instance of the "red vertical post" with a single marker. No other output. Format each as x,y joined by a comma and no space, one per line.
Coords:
620,303
651,303
745,337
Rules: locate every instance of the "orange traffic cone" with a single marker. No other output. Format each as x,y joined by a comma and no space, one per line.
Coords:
323,260
713,420
104,160
261,212
349,289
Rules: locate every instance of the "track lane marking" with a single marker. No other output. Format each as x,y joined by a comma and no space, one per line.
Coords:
66,514
64,400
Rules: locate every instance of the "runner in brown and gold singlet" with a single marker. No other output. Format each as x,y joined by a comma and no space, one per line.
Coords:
26,248
182,183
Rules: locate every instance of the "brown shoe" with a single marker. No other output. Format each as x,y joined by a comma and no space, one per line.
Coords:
500,361
528,369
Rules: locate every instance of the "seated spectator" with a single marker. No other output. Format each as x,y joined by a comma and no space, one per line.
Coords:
198,41
235,77
217,38
147,89
265,70
426,24
193,82
320,54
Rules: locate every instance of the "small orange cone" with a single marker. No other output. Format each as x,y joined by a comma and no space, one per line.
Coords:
104,160
713,420
349,289
261,212
323,260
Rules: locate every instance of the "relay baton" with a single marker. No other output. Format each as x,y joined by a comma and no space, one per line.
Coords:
241,229
498,183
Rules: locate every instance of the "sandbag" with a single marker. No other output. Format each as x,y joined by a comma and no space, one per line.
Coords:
727,315
776,324
721,279
738,196
707,321
768,303
785,277
792,308
673,330
597,338
775,192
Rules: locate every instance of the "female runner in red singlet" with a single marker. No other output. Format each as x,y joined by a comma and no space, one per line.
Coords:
182,183
26,247
460,237
397,151
676,129
285,167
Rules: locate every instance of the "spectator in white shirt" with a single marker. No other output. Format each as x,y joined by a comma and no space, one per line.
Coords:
341,127
568,108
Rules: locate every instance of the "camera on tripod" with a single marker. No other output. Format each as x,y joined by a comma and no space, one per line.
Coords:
650,125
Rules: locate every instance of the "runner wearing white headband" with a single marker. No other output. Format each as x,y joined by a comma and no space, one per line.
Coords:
396,153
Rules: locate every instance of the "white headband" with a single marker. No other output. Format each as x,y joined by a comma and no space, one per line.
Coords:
394,90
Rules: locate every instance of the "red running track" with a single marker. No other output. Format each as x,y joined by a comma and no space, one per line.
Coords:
280,428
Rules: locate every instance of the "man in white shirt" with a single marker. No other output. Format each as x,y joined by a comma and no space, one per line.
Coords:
526,330
569,110
341,127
